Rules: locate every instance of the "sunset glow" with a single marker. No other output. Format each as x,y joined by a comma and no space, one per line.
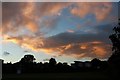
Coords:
76,30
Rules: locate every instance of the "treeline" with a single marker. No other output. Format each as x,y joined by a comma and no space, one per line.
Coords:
27,65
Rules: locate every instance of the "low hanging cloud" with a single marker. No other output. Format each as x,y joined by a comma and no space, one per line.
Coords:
28,19
78,45
70,44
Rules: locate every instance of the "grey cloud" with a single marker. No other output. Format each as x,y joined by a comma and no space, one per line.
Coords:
68,38
98,44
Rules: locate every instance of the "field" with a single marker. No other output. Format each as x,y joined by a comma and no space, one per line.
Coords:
59,76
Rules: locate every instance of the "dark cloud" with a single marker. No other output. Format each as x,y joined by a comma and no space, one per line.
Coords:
84,45
106,28
6,53
69,38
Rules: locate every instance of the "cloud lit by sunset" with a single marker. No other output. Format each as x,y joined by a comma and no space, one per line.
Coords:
78,30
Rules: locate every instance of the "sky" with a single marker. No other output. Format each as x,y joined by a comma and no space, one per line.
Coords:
67,31
60,0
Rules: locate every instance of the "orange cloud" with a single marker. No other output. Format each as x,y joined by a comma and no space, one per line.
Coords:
100,51
29,17
70,31
79,50
32,26
83,47
27,42
82,50
100,10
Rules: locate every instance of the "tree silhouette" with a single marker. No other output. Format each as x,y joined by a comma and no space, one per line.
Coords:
52,61
114,59
27,59
96,63
115,38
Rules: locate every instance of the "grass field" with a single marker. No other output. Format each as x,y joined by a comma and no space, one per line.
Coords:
58,76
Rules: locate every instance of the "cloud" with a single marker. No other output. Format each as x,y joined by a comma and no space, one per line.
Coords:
17,16
82,50
28,42
50,8
70,31
27,14
70,44
6,53
81,45
28,20
99,10
30,17
48,24
0,18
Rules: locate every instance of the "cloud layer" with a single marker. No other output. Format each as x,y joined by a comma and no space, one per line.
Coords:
23,24
67,43
27,15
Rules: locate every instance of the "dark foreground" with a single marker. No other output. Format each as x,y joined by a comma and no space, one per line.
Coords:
59,76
